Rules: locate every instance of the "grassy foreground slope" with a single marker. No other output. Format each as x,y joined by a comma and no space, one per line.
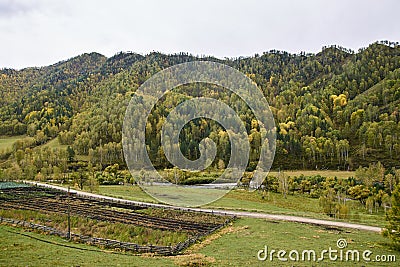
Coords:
21,248
235,245
248,236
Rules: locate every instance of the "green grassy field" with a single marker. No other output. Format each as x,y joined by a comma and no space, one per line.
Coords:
21,248
54,143
130,192
6,142
298,205
235,245
240,199
240,246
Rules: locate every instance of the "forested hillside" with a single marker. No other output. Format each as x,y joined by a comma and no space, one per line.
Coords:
336,109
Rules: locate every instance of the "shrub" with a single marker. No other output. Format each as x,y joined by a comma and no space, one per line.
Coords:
393,218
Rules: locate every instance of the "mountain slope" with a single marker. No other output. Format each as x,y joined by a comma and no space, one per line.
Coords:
331,108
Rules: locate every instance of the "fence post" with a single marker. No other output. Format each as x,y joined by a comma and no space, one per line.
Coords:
69,216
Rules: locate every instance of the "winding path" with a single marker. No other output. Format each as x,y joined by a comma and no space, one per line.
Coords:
225,212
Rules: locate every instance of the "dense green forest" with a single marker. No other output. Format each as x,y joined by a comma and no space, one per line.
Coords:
337,109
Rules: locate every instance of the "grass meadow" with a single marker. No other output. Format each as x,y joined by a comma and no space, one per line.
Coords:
6,142
244,200
235,245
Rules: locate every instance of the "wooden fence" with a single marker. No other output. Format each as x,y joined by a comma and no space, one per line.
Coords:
114,244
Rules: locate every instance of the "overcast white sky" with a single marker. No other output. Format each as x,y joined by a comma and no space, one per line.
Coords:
43,32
